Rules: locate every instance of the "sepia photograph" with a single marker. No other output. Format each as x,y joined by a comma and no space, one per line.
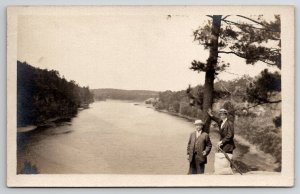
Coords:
151,96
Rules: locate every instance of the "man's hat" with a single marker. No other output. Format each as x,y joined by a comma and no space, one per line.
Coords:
223,111
198,122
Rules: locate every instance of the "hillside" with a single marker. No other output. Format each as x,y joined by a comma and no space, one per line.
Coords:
42,95
260,125
119,94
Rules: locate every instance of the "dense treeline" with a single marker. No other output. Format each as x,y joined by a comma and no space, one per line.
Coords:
118,94
243,93
179,101
42,95
255,102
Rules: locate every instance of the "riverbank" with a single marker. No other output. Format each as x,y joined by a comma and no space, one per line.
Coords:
247,156
53,122
191,119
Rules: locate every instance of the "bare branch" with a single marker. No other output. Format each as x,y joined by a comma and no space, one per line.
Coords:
231,52
226,17
267,62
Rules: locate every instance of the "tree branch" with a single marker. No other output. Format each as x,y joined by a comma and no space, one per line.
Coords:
225,17
249,25
252,20
231,52
249,107
238,24
266,101
264,61
240,55
272,102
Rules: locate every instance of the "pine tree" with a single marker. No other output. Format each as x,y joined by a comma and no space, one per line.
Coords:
251,38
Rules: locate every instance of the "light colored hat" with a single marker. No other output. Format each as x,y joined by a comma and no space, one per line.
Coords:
198,122
223,111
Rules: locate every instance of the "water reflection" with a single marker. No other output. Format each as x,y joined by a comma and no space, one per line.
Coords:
115,137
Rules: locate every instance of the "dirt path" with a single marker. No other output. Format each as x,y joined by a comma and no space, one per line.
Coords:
247,157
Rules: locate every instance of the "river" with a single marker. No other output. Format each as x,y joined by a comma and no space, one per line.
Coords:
117,137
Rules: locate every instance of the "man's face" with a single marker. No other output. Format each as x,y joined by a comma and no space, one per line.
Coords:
223,116
199,127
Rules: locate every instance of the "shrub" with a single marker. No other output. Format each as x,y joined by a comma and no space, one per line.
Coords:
260,131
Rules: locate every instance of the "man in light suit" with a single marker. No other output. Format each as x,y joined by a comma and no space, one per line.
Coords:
198,148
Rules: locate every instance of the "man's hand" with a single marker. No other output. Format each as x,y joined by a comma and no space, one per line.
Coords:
204,153
209,112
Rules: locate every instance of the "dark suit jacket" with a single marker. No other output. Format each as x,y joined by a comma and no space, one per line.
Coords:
227,134
197,146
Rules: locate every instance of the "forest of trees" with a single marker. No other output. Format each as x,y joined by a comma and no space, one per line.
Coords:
43,94
118,94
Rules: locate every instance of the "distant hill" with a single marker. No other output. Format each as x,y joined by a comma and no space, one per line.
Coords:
119,94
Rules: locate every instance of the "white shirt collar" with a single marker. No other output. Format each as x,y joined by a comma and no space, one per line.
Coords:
198,133
223,122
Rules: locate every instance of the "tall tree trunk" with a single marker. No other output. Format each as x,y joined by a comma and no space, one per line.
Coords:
210,72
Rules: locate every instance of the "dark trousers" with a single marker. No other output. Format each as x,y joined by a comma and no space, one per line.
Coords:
196,167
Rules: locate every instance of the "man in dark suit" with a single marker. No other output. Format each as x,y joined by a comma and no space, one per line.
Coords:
198,148
226,131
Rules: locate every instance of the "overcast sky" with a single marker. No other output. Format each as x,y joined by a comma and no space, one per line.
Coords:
151,52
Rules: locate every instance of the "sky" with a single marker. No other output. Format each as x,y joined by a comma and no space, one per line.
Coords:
148,52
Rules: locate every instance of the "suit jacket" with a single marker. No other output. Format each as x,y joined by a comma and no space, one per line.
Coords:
226,134
197,146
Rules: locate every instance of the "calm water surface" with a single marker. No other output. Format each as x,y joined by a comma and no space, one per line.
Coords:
113,137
